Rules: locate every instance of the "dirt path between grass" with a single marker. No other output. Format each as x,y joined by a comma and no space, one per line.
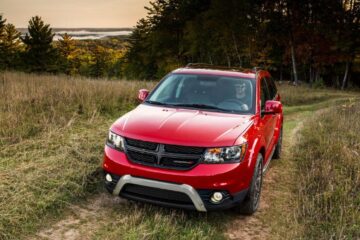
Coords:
83,220
258,225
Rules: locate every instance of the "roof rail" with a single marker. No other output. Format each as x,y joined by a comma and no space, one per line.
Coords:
211,66
256,69
198,65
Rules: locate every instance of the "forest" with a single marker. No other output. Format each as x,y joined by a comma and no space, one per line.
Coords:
302,41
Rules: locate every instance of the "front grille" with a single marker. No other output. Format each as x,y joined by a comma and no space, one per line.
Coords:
177,162
141,144
141,157
163,155
184,149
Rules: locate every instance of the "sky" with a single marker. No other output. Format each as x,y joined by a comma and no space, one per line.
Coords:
75,13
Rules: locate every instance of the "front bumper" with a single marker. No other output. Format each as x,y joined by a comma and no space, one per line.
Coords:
189,189
232,178
169,194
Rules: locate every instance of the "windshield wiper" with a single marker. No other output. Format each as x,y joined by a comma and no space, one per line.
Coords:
191,105
204,106
157,103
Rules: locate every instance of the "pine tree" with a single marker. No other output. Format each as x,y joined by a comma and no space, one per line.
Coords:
100,64
40,54
2,54
69,55
66,45
11,46
2,26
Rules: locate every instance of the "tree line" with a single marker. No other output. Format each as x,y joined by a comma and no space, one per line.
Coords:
37,52
314,41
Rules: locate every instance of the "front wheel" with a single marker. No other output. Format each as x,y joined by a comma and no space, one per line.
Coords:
252,199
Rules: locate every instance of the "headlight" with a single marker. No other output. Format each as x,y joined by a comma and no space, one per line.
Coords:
225,155
115,141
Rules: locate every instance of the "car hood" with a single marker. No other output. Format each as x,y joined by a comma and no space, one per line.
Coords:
180,126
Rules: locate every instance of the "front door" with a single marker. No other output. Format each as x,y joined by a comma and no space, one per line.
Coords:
266,121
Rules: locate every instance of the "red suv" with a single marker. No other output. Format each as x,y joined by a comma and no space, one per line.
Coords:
202,139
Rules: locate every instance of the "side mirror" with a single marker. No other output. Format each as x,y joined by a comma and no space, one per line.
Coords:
278,97
143,94
273,107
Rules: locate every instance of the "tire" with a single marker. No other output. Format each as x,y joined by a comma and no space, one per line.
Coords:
252,199
277,152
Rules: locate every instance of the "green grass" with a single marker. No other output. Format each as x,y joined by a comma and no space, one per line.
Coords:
150,222
288,110
299,95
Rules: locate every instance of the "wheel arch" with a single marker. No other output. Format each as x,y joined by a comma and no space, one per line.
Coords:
258,147
262,151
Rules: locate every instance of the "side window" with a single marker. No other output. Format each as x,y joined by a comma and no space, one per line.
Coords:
264,93
272,87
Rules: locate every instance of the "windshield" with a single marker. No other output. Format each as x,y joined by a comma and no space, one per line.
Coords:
217,93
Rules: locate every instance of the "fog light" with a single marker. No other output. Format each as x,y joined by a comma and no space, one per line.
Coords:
216,197
108,178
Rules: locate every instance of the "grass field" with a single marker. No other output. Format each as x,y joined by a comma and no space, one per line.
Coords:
328,178
52,132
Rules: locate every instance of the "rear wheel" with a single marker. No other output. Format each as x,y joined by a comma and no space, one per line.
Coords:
277,153
252,199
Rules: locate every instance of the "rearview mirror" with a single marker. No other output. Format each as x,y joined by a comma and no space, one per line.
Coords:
143,94
273,107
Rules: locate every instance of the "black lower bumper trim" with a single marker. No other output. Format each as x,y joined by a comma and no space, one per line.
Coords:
227,203
157,202
175,199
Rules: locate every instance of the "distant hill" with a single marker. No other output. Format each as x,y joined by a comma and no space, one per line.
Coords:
87,33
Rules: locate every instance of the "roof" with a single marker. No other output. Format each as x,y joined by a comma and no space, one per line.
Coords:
207,69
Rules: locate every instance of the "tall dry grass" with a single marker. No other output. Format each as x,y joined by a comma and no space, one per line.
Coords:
52,132
31,104
328,175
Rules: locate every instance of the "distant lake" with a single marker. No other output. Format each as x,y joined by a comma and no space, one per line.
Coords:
86,33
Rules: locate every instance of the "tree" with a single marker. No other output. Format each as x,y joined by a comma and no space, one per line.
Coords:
101,62
349,35
11,46
138,60
40,54
157,44
2,29
314,41
69,55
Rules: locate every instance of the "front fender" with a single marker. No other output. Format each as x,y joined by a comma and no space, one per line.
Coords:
253,152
